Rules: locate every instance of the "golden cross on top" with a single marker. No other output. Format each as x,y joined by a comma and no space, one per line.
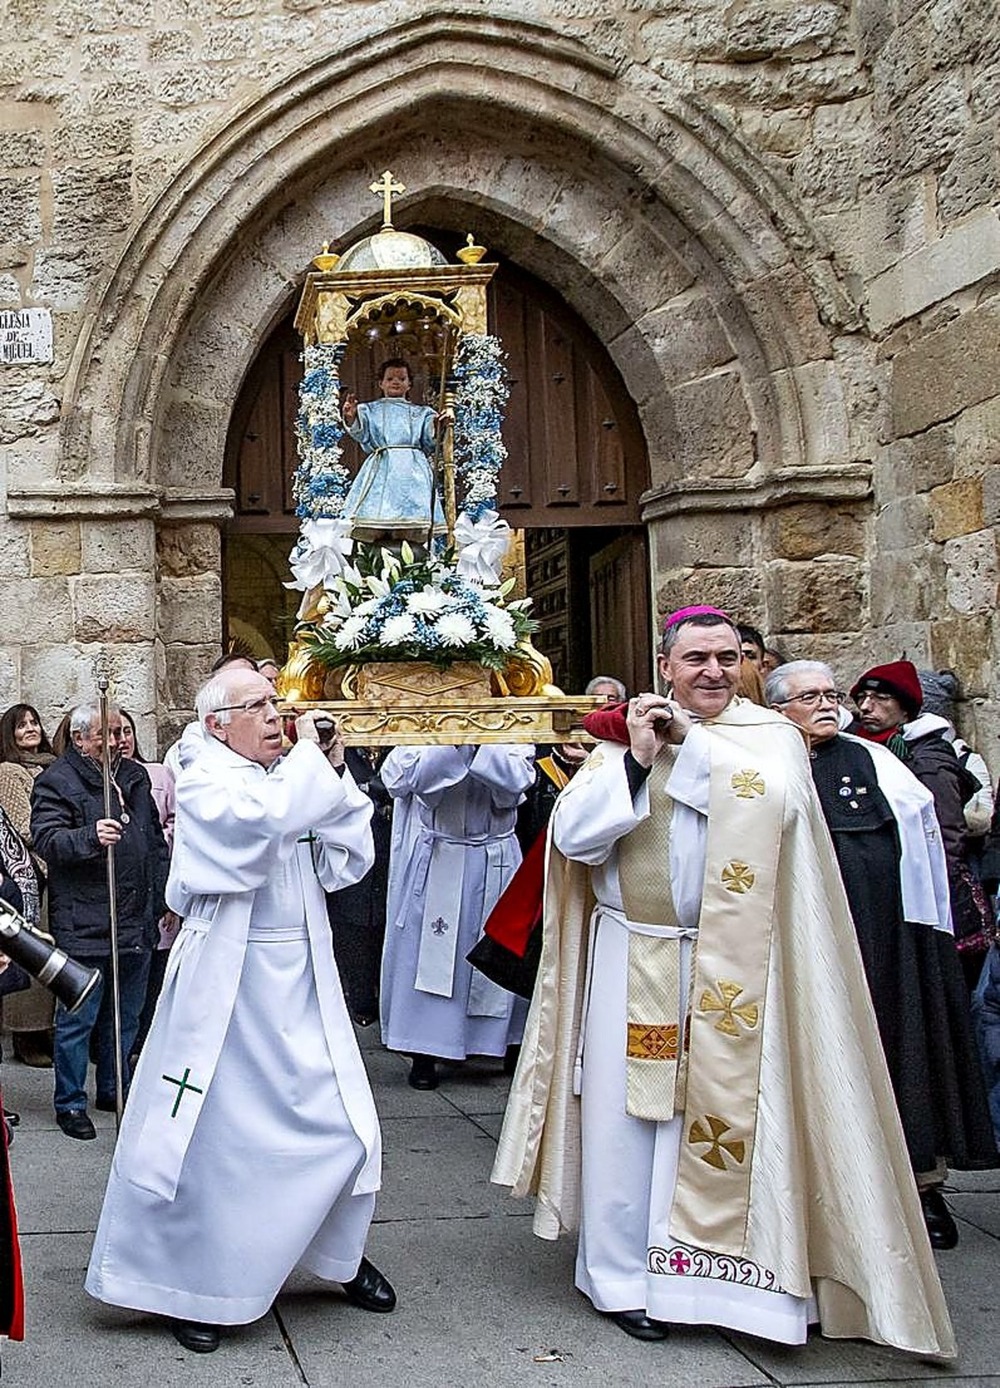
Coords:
388,188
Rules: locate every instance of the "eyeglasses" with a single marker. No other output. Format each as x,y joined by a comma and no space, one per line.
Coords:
812,697
252,706
876,696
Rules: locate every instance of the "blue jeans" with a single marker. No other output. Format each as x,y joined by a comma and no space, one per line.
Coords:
986,1024
71,1050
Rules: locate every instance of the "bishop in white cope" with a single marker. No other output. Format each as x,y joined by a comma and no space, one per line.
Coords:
701,1089
250,1144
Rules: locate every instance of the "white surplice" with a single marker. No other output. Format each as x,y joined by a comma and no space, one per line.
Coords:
250,1144
626,1258
454,851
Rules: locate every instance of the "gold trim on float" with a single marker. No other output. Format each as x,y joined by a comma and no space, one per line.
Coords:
543,720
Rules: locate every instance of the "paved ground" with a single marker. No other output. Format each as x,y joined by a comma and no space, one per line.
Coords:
481,1301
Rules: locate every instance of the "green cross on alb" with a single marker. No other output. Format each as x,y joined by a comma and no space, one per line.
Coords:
182,1086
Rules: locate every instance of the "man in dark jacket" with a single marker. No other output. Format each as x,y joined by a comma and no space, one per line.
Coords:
72,832
890,699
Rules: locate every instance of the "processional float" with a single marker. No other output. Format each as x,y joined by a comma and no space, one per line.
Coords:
417,640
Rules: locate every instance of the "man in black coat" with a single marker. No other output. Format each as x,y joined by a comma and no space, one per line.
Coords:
889,699
72,832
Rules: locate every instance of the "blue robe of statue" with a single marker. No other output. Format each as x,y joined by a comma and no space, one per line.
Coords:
392,491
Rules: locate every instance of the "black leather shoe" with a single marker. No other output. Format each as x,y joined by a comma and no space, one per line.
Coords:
423,1073
941,1227
106,1105
196,1336
75,1123
369,1289
639,1326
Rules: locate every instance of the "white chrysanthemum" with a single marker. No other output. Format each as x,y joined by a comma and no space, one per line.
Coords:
427,602
349,634
500,628
397,630
455,629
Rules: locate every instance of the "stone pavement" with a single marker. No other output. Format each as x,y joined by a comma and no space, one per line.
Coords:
481,1301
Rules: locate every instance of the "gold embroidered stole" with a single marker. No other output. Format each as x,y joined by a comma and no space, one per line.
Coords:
653,1044
555,773
746,809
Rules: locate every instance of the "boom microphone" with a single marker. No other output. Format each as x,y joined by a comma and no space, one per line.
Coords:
70,980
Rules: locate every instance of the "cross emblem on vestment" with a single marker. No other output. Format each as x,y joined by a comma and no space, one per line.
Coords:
439,925
679,1262
723,1000
747,784
182,1085
387,188
698,1134
737,877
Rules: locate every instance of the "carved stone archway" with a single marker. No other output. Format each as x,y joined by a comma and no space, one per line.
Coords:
688,260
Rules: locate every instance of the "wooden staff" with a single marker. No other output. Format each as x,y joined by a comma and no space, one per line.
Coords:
116,1010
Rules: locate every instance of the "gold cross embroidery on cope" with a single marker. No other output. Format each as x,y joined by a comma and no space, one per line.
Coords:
735,1147
747,784
738,877
723,1000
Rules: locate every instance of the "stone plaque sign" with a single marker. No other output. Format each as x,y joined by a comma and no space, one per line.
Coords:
25,336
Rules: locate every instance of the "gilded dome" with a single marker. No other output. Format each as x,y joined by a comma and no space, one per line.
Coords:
391,250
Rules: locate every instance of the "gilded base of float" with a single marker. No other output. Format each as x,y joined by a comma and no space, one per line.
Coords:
545,719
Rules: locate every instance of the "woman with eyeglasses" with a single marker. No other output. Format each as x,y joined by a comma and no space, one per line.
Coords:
888,845
25,751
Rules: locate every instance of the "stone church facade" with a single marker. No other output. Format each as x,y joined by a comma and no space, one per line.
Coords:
779,217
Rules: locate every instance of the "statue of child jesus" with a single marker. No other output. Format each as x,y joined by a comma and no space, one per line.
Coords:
391,496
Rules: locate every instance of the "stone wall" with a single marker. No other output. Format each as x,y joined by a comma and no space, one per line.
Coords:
781,219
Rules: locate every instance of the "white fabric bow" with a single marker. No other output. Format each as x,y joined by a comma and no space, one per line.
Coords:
481,545
323,550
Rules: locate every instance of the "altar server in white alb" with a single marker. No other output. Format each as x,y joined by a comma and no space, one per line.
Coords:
250,1144
453,852
701,1087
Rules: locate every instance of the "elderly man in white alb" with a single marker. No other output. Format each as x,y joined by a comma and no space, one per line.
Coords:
250,1144
701,1087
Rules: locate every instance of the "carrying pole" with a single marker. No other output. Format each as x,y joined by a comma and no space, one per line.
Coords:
103,683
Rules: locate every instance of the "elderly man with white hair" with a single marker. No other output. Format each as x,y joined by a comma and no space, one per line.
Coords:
250,1144
888,844
72,831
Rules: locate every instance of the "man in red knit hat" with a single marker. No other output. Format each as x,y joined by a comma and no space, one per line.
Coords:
889,700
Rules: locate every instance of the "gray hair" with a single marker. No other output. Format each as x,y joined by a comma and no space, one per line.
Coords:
776,684
620,689
212,696
82,718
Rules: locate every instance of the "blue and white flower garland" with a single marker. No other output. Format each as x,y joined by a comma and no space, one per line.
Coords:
481,393
321,482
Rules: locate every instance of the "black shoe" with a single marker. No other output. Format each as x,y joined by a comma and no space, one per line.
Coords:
106,1105
11,1118
75,1123
196,1336
369,1289
639,1326
423,1073
941,1227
